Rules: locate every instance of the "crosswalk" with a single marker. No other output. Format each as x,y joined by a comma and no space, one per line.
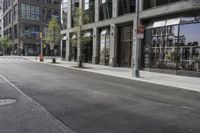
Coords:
14,60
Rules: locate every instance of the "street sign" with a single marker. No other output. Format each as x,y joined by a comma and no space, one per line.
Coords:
140,31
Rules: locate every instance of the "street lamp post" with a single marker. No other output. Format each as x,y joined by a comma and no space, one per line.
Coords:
136,43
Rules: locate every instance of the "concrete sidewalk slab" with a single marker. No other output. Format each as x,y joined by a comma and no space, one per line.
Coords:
184,82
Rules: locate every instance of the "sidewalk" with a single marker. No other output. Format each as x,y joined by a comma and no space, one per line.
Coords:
189,83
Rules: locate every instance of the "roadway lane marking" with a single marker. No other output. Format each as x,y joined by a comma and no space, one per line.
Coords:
65,128
6,101
8,60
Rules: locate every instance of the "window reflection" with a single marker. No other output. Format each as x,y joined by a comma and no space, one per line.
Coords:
104,46
126,6
163,47
105,9
166,49
190,47
89,9
64,7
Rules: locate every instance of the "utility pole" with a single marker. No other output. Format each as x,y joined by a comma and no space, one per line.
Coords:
136,43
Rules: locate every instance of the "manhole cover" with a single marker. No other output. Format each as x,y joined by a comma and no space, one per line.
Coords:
6,101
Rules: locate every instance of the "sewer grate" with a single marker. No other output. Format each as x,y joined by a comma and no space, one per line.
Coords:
7,101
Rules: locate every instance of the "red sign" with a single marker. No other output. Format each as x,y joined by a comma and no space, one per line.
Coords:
140,31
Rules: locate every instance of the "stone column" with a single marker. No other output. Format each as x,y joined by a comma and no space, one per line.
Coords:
97,10
136,47
114,8
95,56
141,5
113,45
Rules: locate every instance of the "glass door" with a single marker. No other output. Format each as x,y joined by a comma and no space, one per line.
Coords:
125,46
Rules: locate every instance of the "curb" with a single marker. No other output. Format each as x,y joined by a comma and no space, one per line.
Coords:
120,76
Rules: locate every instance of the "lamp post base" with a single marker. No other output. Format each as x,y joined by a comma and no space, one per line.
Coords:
135,73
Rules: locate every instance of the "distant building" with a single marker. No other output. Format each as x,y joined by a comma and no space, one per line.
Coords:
24,20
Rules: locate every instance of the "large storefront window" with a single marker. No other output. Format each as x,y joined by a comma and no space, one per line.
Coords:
164,47
105,9
126,6
173,44
190,47
88,47
104,46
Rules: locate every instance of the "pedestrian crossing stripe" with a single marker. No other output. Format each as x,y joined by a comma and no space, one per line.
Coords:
13,60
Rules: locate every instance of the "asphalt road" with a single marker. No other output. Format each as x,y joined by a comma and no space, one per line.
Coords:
92,103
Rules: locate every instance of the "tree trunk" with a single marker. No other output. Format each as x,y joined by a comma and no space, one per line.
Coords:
80,56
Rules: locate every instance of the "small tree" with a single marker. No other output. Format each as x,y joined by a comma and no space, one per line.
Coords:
5,44
80,18
53,35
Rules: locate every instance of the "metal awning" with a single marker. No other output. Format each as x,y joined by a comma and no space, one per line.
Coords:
168,22
74,37
87,34
174,21
159,24
64,38
105,32
103,1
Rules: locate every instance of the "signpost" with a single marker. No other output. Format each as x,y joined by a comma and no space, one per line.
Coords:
140,31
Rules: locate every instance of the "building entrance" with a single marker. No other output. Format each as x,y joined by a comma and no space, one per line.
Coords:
125,46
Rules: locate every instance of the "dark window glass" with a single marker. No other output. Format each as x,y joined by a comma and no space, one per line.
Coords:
105,9
104,53
30,32
89,10
30,12
153,3
125,45
64,13
75,5
126,6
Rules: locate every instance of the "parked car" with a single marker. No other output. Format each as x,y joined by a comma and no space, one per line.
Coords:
1,53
